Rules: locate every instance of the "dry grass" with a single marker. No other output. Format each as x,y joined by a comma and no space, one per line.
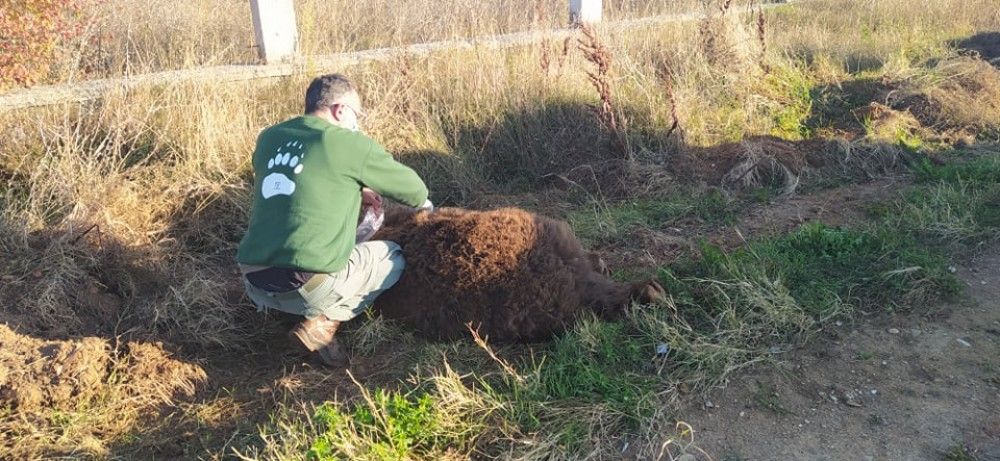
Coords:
130,37
139,199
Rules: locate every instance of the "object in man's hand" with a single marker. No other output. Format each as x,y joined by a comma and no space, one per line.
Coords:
371,222
370,198
371,217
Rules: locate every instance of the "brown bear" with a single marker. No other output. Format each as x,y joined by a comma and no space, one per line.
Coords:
514,275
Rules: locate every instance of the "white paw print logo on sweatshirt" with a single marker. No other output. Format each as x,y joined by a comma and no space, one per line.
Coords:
287,159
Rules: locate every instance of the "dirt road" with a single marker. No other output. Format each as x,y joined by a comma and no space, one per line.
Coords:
919,386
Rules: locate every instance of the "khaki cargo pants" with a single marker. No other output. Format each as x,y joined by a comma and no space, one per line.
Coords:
372,268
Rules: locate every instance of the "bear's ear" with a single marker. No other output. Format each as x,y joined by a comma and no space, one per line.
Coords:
649,292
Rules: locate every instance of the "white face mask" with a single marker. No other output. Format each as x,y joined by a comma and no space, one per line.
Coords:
356,126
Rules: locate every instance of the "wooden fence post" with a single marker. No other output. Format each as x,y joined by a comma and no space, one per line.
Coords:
581,11
275,29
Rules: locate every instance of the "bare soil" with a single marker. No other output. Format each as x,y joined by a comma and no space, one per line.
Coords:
59,374
916,386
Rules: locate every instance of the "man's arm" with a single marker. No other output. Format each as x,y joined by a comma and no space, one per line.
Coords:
392,179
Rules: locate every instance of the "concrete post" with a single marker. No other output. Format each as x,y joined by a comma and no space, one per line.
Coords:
275,29
581,11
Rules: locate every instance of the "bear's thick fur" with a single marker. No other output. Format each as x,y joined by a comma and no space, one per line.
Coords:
514,275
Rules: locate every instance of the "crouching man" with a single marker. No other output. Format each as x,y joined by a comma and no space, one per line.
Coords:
300,255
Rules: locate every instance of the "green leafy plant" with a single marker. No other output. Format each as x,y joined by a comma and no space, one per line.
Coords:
394,424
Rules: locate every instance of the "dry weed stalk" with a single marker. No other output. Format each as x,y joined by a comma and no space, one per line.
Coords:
711,29
762,37
538,16
727,41
482,343
545,60
598,54
666,73
550,56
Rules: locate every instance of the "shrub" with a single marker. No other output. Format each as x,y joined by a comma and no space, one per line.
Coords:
30,32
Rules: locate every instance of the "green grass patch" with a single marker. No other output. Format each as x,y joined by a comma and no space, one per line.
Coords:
790,87
960,453
731,309
982,169
956,203
600,363
604,222
442,417
397,425
824,270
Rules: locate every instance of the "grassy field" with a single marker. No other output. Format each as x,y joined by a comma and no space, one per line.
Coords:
130,37
119,219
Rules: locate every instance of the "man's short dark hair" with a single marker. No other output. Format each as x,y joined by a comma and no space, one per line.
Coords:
325,90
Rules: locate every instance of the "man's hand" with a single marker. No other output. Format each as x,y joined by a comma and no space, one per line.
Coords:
370,199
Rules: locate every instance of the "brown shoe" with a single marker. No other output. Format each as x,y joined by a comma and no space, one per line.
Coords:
318,335
314,334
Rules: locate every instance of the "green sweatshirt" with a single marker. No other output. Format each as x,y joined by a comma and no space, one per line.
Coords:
307,193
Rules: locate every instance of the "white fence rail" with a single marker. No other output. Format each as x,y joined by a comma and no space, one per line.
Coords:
291,65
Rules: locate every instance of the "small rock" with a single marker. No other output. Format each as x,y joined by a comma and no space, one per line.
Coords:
982,282
838,323
774,350
662,349
884,363
894,331
709,404
742,414
915,332
963,342
851,400
686,457
952,269
874,392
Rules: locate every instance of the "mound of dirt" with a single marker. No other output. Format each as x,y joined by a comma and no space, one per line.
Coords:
962,106
37,373
759,161
153,373
514,275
